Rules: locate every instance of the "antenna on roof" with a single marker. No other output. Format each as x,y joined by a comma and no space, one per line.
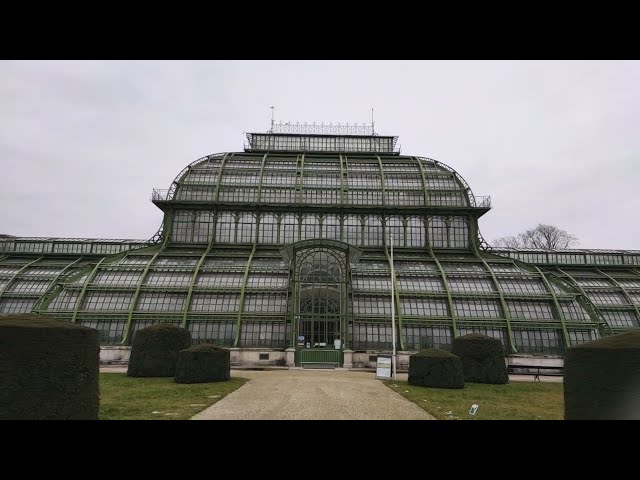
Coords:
373,130
272,109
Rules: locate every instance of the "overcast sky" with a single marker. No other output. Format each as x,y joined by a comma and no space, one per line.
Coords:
83,143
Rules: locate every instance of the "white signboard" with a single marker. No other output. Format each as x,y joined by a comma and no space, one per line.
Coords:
383,368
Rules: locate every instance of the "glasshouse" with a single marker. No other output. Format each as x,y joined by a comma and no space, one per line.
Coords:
298,248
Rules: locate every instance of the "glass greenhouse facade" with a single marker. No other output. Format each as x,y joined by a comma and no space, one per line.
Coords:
286,245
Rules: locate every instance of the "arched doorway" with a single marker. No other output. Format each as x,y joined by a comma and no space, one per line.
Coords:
320,301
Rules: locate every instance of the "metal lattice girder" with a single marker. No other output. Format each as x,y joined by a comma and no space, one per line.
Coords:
11,280
449,298
300,179
39,304
424,181
83,292
503,303
219,181
595,311
194,278
126,338
567,341
382,182
461,180
243,290
624,292
260,180
343,174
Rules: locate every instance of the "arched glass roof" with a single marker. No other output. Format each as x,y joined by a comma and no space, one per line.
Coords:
239,297
328,179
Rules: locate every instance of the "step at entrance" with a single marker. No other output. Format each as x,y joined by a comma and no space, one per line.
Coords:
319,365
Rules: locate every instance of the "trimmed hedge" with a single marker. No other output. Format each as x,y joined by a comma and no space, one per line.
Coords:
154,350
48,369
602,379
203,363
482,358
435,368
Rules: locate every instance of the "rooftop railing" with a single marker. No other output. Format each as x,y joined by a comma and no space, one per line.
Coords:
480,201
164,195
159,195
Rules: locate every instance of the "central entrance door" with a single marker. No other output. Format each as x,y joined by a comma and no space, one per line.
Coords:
320,296
319,319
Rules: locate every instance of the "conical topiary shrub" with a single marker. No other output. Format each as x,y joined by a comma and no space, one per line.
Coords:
482,358
203,363
48,369
154,351
602,379
435,368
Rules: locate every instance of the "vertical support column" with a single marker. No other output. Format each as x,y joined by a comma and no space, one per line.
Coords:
503,303
136,295
425,218
292,307
449,298
247,268
83,292
264,159
343,174
474,235
396,295
219,181
424,181
565,333
382,183
143,277
194,277
348,311
300,179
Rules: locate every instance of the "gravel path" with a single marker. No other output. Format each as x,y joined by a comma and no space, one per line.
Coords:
312,395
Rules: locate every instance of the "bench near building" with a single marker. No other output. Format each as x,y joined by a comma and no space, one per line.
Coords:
280,250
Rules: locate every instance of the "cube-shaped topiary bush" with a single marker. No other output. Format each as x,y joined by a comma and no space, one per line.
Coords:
203,363
154,351
602,379
48,369
482,358
435,368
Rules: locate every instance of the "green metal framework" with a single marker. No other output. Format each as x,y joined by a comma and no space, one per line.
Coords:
225,262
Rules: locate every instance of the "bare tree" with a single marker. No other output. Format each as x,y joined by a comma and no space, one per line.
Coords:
543,236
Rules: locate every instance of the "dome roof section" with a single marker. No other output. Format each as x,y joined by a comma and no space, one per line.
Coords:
327,179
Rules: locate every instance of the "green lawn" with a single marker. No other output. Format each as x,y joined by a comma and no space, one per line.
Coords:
135,398
513,401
